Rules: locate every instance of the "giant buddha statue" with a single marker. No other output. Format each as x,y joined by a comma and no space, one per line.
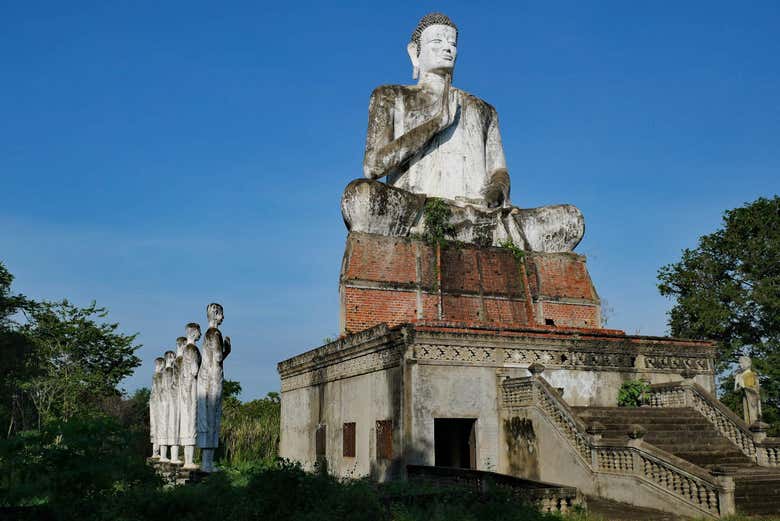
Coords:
432,140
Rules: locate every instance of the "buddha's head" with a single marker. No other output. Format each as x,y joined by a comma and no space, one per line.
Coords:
215,313
745,363
159,364
170,358
192,330
433,46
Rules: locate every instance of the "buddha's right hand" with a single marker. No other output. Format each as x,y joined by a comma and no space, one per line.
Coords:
449,106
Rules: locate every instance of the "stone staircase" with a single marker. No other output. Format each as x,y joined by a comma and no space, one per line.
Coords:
687,434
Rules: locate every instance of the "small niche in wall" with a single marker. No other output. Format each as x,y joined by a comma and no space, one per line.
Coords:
349,440
384,439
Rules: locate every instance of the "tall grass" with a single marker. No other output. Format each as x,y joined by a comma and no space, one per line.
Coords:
250,431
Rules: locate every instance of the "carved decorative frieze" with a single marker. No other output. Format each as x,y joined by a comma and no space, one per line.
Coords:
362,364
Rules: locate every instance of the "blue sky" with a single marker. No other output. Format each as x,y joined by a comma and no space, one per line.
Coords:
157,156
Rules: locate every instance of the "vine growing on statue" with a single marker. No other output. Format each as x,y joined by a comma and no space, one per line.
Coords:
437,226
517,252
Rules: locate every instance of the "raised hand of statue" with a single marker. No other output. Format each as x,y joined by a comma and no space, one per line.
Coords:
449,105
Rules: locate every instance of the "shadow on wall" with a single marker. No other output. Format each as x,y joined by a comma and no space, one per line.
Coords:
522,448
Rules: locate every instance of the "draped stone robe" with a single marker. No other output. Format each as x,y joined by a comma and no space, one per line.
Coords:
154,406
457,163
166,408
210,389
188,395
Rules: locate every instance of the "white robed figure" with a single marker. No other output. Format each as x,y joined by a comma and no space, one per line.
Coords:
213,352
188,394
154,406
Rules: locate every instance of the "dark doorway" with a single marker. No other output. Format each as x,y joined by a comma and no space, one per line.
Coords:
455,443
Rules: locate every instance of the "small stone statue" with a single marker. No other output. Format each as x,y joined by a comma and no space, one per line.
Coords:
746,381
214,351
167,409
188,394
175,405
154,405
433,140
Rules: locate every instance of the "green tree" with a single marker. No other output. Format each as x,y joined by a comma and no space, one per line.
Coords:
15,360
728,289
81,359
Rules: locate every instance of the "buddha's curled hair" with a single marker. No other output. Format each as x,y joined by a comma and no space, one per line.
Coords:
427,21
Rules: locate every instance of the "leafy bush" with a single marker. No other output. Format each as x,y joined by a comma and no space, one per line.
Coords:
71,466
632,393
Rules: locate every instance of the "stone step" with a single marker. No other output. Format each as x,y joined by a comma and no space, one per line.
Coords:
703,459
626,417
608,510
719,445
648,411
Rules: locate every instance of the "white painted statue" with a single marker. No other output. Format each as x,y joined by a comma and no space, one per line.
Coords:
167,411
154,405
746,382
175,409
434,140
188,394
213,351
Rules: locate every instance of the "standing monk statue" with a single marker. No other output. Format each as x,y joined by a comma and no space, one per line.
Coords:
746,382
214,351
167,412
176,406
432,140
188,394
154,406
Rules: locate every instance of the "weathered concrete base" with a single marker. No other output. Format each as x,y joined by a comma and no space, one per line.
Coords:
175,473
404,378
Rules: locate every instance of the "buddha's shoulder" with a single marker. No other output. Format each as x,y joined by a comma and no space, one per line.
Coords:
384,92
482,105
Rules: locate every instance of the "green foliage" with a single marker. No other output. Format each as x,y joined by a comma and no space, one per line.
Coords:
632,393
282,490
231,389
437,216
80,359
16,362
728,289
250,431
518,253
71,466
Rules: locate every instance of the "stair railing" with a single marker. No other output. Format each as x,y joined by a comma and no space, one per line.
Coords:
711,495
751,440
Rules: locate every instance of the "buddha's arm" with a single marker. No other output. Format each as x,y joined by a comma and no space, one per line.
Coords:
385,154
497,185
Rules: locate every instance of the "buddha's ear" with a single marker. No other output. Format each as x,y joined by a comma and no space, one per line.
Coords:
411,48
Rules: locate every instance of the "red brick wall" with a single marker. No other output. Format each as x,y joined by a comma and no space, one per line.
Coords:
382,277
571,315
557,275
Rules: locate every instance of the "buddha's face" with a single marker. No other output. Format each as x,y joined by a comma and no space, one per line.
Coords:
438,49
744,363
